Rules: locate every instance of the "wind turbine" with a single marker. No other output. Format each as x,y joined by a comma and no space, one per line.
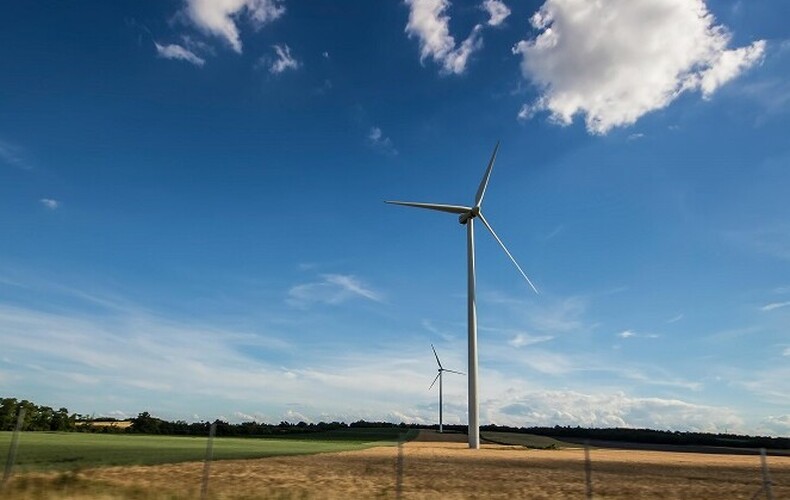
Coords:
467,216
439,378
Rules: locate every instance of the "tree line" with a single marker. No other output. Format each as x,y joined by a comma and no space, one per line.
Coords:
37,418
44,418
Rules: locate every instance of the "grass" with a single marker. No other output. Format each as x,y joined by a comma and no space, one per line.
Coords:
42,451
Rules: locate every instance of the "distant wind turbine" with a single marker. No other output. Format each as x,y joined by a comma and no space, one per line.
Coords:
467,215
439,378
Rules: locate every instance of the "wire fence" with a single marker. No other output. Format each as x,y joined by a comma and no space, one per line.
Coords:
421,470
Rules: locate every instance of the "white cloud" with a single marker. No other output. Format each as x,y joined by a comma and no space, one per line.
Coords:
284,60
497,10
174,51
380,142
429,23
551,408
626,334
728,65
786,352
332,289
634,137
615,61
220,17
50,203
774,305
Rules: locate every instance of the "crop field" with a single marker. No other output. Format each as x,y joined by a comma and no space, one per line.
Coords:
429,469
43,451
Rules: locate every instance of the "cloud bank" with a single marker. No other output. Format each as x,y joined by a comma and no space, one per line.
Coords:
609,410
612,62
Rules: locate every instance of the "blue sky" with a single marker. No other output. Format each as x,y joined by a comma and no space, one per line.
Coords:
191,216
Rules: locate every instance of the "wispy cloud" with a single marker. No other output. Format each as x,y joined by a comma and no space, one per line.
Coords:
177,52
443,334
557,230
220,17
380,142
122,359
430,24
550,362
580,45
564,316
12,155
284,60
768,384
675,319
774,305
772,95
332,289
50,203
630,334
555,317
497,11
786,352
524,339
772,240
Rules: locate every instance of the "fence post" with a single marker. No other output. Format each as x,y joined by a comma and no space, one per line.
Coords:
588,470
207,461
769,494
9,464
399,469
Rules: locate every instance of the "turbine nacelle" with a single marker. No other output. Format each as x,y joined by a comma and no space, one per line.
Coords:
464,218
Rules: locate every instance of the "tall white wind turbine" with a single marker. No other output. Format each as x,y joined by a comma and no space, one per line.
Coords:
439,378
467,216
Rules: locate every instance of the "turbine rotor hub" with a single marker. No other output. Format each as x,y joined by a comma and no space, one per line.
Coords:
466,217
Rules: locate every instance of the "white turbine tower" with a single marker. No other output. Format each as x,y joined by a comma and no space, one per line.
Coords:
439,378
467,216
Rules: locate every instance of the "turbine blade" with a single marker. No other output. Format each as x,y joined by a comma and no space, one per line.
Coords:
453,371
453,209
437,356
434,381
486,224
481,191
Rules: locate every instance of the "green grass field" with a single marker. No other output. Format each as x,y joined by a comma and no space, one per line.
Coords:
75,450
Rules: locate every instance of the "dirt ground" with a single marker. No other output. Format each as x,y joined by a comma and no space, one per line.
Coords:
434,470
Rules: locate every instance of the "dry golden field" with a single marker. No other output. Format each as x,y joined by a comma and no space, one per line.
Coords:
431,470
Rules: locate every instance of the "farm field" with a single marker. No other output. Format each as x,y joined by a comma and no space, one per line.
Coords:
430,470
43,451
